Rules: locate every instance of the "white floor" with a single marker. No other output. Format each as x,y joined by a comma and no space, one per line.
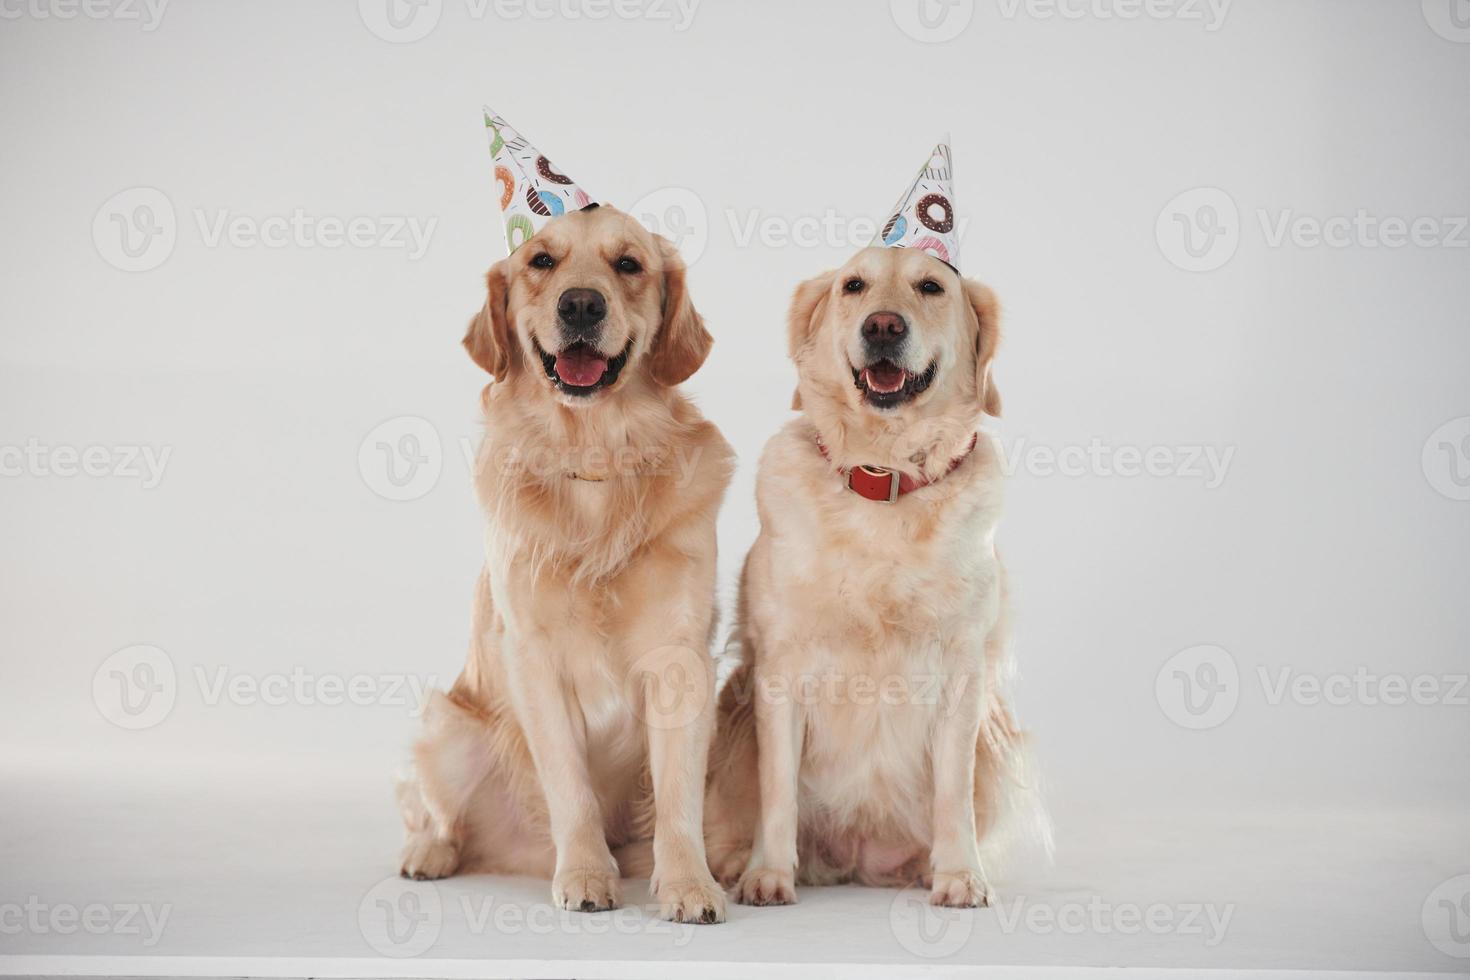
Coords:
192,874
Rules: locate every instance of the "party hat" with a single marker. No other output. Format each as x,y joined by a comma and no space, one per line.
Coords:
924,217
532,191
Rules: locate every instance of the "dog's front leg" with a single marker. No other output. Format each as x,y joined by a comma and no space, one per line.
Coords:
673,681
770,875
678,710
586,877
959,881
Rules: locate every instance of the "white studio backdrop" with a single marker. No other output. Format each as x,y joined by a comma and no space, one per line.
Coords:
242,242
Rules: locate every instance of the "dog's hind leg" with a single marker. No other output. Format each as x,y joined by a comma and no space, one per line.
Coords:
732,797
451,761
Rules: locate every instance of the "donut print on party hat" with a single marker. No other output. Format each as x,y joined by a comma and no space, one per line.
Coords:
532,190
933,246
518,228
893,232
507,186
924,217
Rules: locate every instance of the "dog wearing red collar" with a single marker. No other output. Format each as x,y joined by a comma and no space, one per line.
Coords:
866,737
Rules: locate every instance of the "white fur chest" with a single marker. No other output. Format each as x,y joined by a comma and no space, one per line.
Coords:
874,616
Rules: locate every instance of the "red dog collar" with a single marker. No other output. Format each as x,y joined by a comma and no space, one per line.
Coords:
886,486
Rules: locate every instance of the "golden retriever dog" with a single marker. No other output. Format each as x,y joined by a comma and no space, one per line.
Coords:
581,724
865,737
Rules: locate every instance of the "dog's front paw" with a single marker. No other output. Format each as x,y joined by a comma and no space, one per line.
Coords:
585,890
696,900
961,890
767,886
426,857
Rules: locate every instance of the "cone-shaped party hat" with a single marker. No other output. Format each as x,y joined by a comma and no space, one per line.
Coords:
532,191
924,217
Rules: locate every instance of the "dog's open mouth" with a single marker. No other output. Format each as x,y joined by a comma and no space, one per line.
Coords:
581,369
884,384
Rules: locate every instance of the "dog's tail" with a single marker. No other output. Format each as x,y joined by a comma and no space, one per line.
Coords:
1014,825
410,800
1011,815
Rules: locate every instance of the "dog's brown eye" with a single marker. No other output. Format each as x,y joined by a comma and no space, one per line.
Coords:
627,265
931,287
853,285
543,261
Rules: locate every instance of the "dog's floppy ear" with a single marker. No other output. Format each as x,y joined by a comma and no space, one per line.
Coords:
488,339
682,343
987,339
807,305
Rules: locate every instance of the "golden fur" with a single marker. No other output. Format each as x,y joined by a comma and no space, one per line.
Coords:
595,607
865,736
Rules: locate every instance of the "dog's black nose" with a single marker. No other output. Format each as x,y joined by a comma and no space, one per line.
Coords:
581,309
884,330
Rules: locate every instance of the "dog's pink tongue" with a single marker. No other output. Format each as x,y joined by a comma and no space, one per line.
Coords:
580,367
885,377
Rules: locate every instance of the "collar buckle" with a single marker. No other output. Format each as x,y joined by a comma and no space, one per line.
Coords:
873,474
